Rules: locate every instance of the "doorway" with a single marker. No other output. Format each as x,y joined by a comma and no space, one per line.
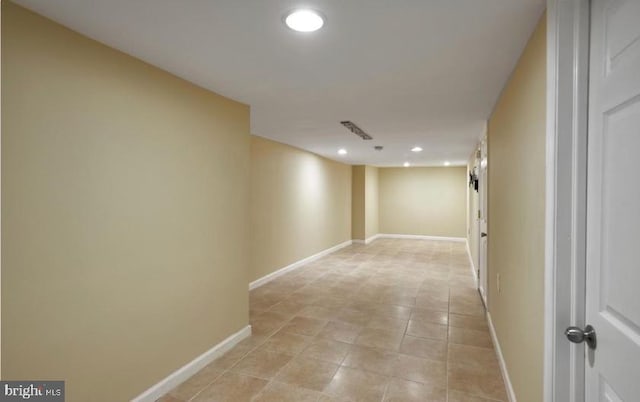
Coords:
591,268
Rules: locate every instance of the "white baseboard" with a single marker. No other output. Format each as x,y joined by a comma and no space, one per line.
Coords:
367,241
372,238
268,278
420,237
503,365
177,377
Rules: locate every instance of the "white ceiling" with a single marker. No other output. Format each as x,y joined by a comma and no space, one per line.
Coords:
409,72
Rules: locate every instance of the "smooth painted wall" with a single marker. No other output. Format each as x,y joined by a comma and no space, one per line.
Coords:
300,205
124,214
429,201
358,203
364,202
516,139
371,201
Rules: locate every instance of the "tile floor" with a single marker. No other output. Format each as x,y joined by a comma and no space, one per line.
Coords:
395,320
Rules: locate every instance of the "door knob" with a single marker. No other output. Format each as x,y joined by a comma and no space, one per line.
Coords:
483,234
577,335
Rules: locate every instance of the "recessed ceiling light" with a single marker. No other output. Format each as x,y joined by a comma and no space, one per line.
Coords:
447,163
416,149
342,151
304,20
407,164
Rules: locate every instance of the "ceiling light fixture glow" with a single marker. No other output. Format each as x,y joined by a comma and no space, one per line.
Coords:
342,151
407,164
447,163
416,149
304,20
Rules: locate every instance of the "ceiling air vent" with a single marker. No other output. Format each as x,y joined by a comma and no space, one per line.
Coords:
378,147
356,130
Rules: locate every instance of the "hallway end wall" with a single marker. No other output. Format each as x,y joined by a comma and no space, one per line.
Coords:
425,201
300,205
516,253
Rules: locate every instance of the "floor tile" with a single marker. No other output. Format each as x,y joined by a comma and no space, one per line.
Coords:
196,383
485,383
236,353
262,363
357,385
426,348
391,310
327,350
231,387
380,338
472,337
267,322
468,321
371,359
352,316
287,308
170,398
409,391
333,398
281,392
287,342
340,331
472,356
425,371
304,326
427,330
455,396
387,322
432,316
307,373
319,312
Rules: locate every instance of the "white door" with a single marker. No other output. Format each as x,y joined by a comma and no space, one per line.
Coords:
482,221
613,202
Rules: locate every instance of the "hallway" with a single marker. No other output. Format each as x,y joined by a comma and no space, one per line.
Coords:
395,320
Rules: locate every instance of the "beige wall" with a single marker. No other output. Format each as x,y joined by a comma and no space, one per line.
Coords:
371,201
364,202
124,225
430,201
300,205
358,195
516,141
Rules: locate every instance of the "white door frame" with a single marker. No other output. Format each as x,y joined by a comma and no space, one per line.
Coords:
566,157
483,198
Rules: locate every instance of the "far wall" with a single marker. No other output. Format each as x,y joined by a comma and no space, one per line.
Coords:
429,201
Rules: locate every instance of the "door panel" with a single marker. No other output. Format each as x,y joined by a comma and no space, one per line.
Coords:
620,275
613,202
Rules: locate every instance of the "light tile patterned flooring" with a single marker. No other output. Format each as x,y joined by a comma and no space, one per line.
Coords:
395,320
